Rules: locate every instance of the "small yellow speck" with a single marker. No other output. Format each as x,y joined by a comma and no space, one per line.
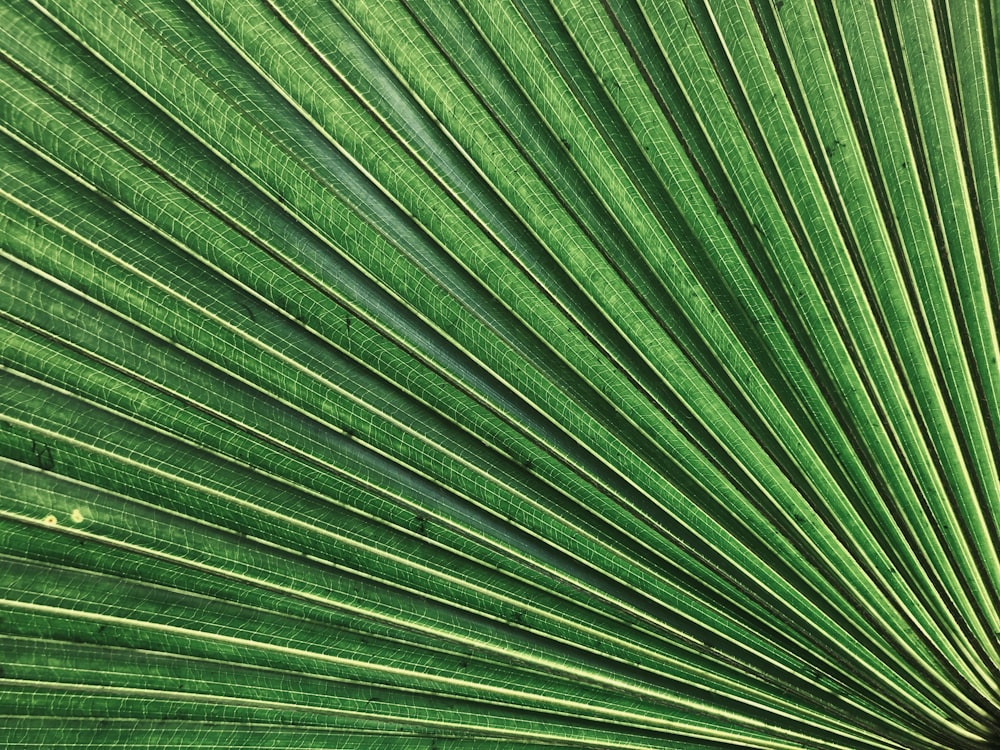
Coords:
49,519
77,516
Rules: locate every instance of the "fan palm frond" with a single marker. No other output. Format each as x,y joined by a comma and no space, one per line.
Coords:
465,374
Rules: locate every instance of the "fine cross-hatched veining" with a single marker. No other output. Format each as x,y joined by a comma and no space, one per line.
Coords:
499,374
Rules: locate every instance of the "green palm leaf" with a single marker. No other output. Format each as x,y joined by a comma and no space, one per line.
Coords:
516,374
